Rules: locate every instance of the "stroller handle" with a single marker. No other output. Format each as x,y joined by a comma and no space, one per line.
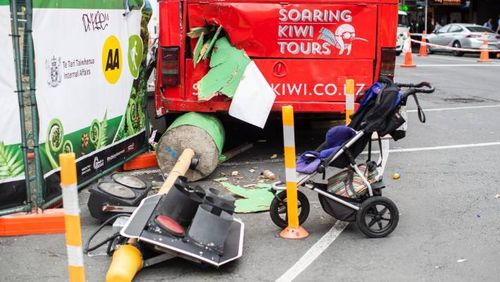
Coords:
413,89
422,87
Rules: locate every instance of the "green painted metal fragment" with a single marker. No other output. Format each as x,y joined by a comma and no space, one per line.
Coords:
227,67
196,32
256,199
197,49
212,42
224,52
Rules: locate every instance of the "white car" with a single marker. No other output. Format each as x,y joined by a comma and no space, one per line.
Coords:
461,35
403,29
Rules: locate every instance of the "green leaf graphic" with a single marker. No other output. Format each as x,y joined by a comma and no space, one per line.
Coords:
102,135
11,163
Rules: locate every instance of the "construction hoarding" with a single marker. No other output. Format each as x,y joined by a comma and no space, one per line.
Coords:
90,62
12,184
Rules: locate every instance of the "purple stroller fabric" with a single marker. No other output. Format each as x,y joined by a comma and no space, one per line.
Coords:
335,137
309,161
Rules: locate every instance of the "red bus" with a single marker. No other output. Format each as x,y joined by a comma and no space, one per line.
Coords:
305,49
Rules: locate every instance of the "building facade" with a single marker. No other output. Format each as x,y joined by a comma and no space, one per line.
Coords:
450,11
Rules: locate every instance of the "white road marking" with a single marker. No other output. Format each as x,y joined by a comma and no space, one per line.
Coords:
448,147
314,252
470,60
459,65
456,108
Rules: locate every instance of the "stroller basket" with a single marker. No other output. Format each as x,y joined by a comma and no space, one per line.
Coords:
348,184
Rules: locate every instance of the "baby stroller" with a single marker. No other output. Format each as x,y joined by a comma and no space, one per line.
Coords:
354,193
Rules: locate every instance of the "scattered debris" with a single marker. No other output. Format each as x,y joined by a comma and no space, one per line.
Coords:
461,260
220,179
497,196
257,199
151,139
395,176
235,173
155,183
253,170
438,266
261,141
249,185
238,150
268,174
274,156
261,181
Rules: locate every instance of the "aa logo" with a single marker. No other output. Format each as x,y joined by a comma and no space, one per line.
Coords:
134,54
112,59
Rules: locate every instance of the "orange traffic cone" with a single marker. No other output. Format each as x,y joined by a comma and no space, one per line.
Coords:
408,56
423,46
485,56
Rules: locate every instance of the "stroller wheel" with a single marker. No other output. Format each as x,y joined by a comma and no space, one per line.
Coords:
377,217
278,207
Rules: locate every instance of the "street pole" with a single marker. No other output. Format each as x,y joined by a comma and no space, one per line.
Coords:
425,12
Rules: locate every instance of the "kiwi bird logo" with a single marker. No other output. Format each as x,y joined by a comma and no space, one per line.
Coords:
342,39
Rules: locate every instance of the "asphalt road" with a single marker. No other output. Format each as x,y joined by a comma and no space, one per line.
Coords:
449,227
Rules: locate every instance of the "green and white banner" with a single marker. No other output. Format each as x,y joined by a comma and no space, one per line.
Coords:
11,161
89,67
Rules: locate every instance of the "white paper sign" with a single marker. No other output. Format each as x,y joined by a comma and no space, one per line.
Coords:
253,99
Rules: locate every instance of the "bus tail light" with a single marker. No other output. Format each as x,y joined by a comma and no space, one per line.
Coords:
388,62
170,66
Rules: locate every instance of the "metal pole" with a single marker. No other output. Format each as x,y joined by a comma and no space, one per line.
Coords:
24,208
425,11
20,95
38,188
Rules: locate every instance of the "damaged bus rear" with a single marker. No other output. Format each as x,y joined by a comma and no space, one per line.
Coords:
305,49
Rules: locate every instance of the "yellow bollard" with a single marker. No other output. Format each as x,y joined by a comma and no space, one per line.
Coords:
349,100
72,217
293,231
127,261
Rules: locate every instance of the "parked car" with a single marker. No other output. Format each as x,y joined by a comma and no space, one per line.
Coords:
461,35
